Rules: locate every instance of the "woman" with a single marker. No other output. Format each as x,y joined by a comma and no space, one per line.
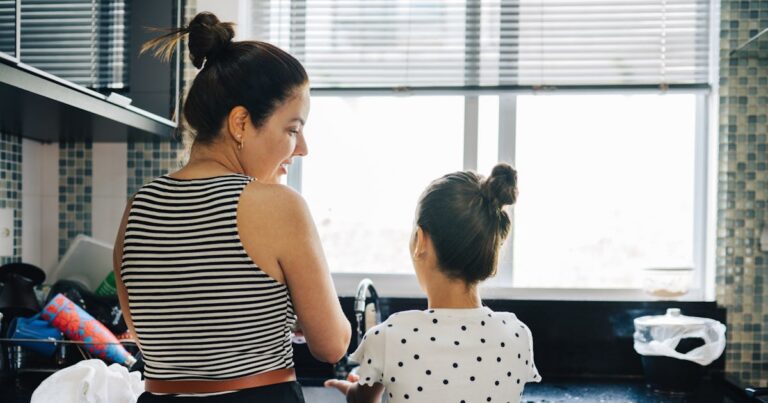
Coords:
213,260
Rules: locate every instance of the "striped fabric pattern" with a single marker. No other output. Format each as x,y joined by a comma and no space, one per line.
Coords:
201,308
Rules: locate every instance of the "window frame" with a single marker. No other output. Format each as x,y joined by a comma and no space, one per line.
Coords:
705,174
405,285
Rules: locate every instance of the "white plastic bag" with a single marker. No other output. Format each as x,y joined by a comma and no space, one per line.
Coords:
660,337
90,381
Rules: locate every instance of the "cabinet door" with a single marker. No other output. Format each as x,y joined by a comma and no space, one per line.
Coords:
8,27
81,41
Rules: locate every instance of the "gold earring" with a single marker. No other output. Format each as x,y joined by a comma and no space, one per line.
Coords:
240,143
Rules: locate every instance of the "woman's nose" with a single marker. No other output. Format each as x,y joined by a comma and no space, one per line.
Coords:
301,146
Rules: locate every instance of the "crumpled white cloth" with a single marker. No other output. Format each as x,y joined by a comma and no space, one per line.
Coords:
90,381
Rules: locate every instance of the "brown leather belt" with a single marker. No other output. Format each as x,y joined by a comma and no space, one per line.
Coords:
213,386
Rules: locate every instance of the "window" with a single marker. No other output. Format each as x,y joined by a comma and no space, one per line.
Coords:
606,188
369,159
612,159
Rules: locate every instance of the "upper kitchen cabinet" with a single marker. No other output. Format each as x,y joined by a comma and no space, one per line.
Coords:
8,16
71,69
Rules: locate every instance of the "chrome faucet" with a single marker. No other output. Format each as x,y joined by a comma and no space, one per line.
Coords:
344,367
365,286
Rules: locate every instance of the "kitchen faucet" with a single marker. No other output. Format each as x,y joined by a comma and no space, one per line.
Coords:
343,368
365,286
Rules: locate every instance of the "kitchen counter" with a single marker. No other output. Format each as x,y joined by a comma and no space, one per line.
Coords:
604,350
632,390
554,391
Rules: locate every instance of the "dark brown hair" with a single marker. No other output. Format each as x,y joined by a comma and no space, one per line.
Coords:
463,213
253,74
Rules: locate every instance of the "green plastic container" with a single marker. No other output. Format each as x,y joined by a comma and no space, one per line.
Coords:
107,287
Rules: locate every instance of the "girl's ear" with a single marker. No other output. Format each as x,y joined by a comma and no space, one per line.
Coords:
419,243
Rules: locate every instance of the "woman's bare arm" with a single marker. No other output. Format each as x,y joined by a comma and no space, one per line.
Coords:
280,219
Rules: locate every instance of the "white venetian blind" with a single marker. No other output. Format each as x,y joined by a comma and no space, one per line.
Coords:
494,43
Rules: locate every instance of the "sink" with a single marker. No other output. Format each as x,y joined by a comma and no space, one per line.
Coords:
320,394
367,314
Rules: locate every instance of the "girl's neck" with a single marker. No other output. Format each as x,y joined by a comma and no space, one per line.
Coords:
453,294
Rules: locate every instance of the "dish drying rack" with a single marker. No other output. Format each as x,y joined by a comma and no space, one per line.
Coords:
24,360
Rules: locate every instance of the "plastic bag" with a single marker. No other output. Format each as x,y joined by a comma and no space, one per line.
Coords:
663,340
90,381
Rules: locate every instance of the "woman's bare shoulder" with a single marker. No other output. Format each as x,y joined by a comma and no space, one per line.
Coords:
273,203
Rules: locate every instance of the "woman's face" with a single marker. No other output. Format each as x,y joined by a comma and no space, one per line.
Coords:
268,150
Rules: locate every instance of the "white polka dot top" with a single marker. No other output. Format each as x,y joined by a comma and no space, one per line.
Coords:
454,355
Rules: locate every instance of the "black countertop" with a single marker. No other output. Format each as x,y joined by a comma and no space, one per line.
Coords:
551,391
625,390
610,390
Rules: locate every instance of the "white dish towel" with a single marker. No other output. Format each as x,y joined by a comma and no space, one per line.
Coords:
90,381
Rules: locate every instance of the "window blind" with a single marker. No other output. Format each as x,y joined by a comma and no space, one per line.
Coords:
83,41
493,43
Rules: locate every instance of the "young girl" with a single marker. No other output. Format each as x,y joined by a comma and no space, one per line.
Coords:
457,350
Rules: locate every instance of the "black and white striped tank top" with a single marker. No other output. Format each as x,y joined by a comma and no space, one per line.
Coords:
201,308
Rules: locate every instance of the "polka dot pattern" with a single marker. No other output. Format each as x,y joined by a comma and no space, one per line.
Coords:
449,354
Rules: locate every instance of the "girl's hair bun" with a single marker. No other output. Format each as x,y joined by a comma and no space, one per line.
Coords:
207,37
500,189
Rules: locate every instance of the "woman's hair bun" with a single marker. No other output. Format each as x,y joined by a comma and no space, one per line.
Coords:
500,188
207,37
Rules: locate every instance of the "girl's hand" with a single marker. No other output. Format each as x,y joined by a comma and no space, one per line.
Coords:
342,385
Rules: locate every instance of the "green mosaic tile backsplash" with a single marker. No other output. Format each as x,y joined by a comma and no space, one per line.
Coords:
742,273
10,188
150,159
75,191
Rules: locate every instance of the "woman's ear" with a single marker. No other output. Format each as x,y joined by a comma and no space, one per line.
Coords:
236,123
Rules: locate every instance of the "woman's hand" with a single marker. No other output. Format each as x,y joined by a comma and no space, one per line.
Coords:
342,385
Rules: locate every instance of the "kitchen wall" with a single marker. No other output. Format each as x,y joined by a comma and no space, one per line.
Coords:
150,159
11,187
742,270
40,203
75,191
70,188
77,187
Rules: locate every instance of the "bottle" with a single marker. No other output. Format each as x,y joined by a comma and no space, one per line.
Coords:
77,324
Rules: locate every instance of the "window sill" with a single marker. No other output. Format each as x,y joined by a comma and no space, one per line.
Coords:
406,286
